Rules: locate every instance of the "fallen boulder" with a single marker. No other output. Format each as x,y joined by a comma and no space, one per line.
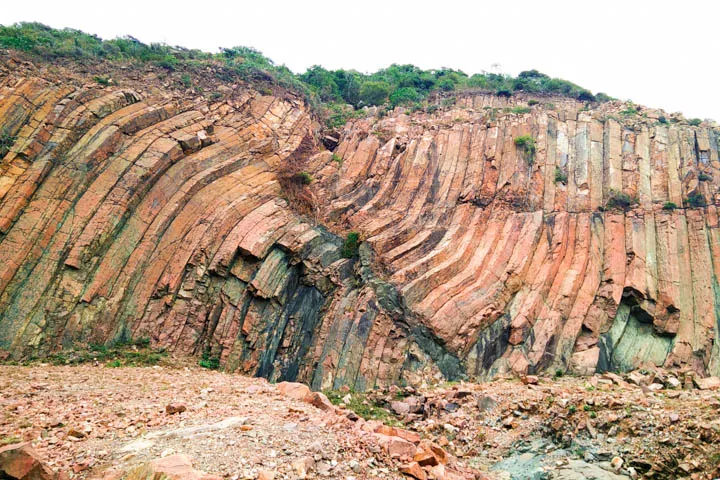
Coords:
295,390
21,462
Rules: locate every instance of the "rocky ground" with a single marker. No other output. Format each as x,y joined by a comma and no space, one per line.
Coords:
98,422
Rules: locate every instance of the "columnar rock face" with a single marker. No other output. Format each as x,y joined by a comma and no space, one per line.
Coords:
127,215
567,256
137,213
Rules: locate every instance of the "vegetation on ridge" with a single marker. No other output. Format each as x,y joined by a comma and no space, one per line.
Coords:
328,91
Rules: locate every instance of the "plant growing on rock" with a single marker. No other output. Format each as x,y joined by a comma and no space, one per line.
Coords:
704,177
6,142
695,122
104,81
560,176
669,206
695,200
364,406
630,110
351,245
304,178
620,200
527,144
519,110
211,362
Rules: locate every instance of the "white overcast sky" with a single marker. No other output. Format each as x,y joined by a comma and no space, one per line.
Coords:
658,53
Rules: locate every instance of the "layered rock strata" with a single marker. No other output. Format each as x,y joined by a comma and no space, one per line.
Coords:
125,215
132,213
568,253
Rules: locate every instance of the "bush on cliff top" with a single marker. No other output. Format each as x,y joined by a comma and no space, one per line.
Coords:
396,84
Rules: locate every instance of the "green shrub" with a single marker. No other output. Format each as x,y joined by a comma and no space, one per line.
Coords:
374,93
449,101
527,143
695,122
696,200
129,353
211,362
630,110
303,177
364,406
102,80
620,200
603,97
401,84
186,80
336,158
669,206
6,143
337,114
560,176
662,119
9,440
704,177
404,96
351,245
585,96
520,110
533,102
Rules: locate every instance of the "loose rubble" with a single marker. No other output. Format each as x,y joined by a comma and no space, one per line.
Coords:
100,423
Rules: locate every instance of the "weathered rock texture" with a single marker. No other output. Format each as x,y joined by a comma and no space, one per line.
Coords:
126,212
517,260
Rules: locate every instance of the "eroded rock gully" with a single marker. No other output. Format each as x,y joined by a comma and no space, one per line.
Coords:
129,211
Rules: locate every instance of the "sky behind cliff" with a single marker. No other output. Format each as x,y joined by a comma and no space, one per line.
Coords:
658,53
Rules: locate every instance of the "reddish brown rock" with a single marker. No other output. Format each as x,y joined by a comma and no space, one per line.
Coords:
173,408
413,470
19,461
319,400
396,432
298,391
709,383
145,212
396,447
173,467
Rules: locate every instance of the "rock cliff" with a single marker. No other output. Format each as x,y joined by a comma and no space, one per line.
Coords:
497,238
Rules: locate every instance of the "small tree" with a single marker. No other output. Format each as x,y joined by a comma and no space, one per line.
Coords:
374,93
403,96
